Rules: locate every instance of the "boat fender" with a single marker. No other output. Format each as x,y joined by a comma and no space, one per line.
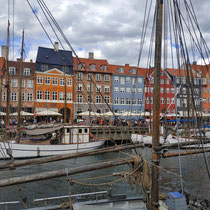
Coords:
92,137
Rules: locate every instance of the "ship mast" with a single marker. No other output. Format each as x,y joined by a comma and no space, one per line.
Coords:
7,77
20,89
156,107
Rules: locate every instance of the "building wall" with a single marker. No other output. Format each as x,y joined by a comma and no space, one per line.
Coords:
128,88
27,105
43,103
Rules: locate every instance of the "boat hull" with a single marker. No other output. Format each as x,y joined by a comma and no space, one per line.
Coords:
38,150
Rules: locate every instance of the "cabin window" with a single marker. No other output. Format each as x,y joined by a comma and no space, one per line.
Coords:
85,130
68,130
80,130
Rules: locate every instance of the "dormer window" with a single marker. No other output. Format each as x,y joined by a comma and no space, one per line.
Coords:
26,71
120,70
65,69
103,67
44,67
92,66
132,71
12,70
81,66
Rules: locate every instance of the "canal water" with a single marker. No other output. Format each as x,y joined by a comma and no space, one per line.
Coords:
195,179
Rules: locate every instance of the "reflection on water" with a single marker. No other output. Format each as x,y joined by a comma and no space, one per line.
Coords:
195,178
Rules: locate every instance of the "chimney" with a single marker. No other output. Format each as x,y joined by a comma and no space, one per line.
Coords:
91,55
126,64
31,61
56,46
194,63
3,51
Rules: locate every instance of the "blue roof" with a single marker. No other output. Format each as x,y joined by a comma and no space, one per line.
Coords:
49,56
175,195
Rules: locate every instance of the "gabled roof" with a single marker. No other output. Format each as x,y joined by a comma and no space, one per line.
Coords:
182,73
87,62
202,69
127,70
50,56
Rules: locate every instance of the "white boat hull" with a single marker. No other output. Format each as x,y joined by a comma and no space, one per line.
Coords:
38,150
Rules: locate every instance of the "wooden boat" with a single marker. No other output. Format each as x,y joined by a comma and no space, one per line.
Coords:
74,139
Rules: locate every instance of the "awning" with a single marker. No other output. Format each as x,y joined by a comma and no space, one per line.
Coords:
42,131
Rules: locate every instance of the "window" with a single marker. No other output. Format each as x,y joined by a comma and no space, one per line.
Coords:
65,68
98,77
79,98
162,100
133,81
167,90
184,90
172,100
204,90
62,96
140,80
134,101
167,81
203,100
47,80
79,87
151,80
133,90
116,100
196,81
69,96
44,67
151,90
30,83
26,71
177,80
128,79
90,98
128,101
30,97
39,79
23,97
203,80
23,83
98,99
162,81
106,77
139,101
79,76
39,94
106,99
47,95
103,67
151,100
172,90
55,81
128,90
120,70
122,80
122,100
89,76
122,89
98,88
162,90
208,100
81,66
183,80
116,89
168,100
92,66
69,82
14,82
4,96
132,71
62,82
208,81
106,89
116,79
12,70
147,100
54,95
208,90
13,96
89,88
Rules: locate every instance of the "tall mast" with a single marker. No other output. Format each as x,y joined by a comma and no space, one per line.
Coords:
7,76
156,107
20,89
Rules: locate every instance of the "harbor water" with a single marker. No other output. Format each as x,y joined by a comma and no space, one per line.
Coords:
194,173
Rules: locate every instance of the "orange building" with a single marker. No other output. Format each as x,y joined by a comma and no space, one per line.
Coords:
50,90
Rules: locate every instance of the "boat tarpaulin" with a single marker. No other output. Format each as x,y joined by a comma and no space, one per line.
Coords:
42,131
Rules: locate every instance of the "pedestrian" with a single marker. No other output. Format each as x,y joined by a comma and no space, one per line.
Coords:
2,123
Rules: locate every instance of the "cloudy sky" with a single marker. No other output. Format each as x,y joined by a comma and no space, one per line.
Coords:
109,28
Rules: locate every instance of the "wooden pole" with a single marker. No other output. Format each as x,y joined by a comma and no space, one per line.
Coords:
191,152
156,108
63,172
19,163
7,77
20,89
